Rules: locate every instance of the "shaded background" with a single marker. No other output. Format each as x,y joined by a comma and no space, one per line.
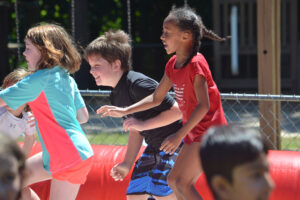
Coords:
87,19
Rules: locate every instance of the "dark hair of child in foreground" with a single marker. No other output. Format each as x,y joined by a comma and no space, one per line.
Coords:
234,160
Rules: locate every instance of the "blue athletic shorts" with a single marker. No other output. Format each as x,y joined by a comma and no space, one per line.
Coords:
150,173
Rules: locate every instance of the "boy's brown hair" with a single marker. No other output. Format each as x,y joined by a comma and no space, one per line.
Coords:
112,46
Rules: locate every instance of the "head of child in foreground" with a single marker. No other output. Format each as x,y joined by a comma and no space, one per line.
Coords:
108,56
12,78
12,169
234,160
183,30
49,45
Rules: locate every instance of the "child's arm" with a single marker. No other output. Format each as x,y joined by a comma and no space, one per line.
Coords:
164,118
28,144
171,143
29,134
148,102
2,103
82,115
119,171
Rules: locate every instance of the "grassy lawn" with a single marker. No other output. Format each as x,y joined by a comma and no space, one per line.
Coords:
101,138
290,143
108,138
287,143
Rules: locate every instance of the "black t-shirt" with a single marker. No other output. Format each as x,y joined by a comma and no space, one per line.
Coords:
133,87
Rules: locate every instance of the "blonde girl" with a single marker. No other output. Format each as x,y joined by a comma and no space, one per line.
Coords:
58,107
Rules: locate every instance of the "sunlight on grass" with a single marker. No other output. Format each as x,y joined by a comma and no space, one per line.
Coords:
290,143
287,143
108,138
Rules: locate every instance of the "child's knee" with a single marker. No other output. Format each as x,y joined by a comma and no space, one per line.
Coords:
175,181
181,183
171,179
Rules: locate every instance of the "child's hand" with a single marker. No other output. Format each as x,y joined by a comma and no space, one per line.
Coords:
119,171
132,123
30,124
170,144
111,111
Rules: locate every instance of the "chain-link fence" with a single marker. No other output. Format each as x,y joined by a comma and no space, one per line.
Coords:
238,108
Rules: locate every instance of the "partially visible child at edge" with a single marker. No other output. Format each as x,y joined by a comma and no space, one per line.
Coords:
196,93
58,107
234,160
109,57
12,169
14,123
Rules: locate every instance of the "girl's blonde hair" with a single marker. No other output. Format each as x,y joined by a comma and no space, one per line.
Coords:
56,47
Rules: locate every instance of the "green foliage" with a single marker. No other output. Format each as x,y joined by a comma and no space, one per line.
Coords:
31,13
13,15
103,17
146,24
109,24
11,61
43,13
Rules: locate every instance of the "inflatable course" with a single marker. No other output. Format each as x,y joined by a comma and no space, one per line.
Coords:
284,166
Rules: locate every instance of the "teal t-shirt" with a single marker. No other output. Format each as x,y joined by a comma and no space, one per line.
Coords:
54,99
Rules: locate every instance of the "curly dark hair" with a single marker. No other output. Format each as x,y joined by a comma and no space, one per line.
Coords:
186,19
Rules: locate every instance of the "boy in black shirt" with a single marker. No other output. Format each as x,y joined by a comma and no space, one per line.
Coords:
109,57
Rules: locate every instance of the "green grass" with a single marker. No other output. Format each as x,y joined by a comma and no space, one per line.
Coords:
287,143
290,143
101,138
108,138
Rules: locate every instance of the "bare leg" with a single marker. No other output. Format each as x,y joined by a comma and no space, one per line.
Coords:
63,190
145,197
169,197
35,173
186,172
137,197
29,194
35,170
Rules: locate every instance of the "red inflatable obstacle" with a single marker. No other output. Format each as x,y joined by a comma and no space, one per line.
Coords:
285,171
99,184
